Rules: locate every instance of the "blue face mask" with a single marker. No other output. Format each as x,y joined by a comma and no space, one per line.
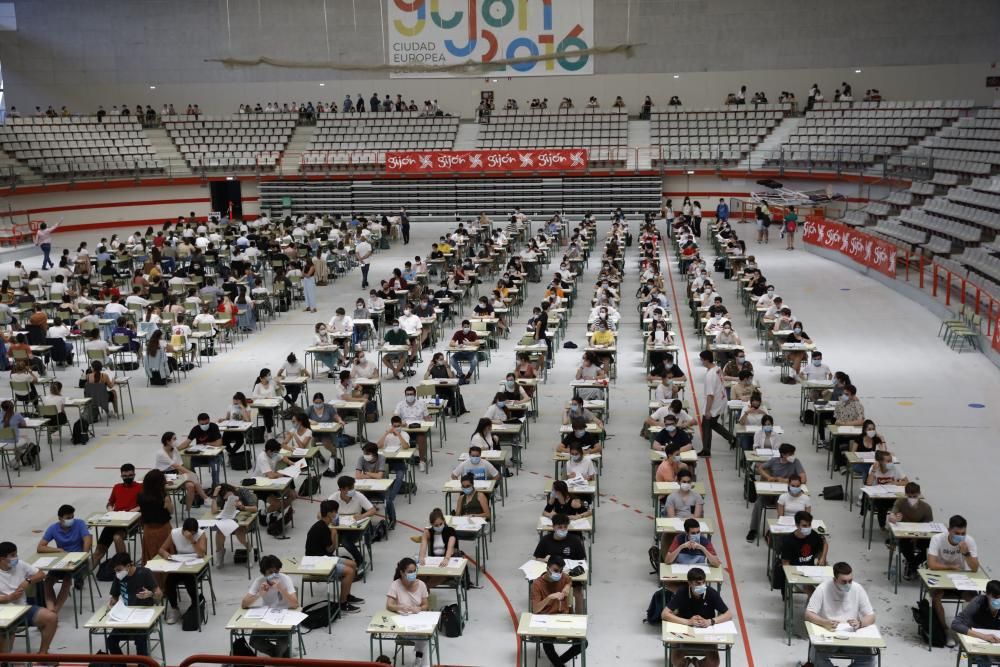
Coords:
467,490
561,534
411,576
795,490
994,603
475,460
555,576
805,532
14,562
700,590
957,539
845,587
579,434
768,429
271,577
501,404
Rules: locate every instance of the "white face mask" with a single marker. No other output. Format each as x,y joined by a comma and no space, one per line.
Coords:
870,433
791,459
410,399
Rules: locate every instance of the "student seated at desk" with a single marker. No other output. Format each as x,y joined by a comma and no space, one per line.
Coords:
244,500
292,370
561,543
96,375
671,465
777,469
16,577
869,442
696,605
576,411
727,336
239,410
684,503
793,500
954,551
476,466
323,540
188,540
168,461
69,535
804,547
816,371
393,440
690,548
497,410
675,408
300,436
205,433
588,442
765,438
514,394
414,410
464,336
265,387
124,498
982,612
560,501
751,415
744,388
438,540
275,590
355,504
665,371
550,595
840,600
848,411
396,361
884,471
134,586
603,338
590,371
911,509
372,465
579,466
266,465
408,595
472,502
438,369
23,373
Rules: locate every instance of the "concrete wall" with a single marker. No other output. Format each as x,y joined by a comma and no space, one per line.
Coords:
111,51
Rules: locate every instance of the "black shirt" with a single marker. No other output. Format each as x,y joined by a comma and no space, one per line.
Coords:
542,318
570,547
201,437
587,440
686,606
801,550
673,372
557,506
678,437
318,539
127,588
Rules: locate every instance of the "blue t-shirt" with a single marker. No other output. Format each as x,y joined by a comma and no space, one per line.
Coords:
67,539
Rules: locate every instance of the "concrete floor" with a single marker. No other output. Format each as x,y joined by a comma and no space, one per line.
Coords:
918,391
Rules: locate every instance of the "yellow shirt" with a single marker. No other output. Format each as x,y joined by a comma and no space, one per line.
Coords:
603,337
444,247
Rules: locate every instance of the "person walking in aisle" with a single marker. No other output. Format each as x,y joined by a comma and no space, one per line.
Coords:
714,393
309,284
363,252
43,239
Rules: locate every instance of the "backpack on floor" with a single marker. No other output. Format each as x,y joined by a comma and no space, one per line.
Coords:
189,620
317,615
80,434
654,559
240,460
449,623
656,606
921,614
29,457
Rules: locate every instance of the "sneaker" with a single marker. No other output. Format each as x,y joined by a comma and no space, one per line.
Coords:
423,466
355,600
950,642
705,454
751,535
220,558
348,608
173,615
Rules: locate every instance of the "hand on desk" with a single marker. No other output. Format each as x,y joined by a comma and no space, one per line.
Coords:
144,594
854,623
699,622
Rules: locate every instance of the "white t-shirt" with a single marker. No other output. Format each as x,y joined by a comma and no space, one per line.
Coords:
715,387
821,372
411,413
584,468
262,465
166,461
359,504
292,370
942,548
364,250
828,602
12,578
273,598
793,504
394,443
181,545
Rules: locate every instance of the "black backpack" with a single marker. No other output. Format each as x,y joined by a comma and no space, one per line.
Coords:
922,613
29,457
450,624
80,433
654,559
189,620
240,460
317,615
656,606
380,531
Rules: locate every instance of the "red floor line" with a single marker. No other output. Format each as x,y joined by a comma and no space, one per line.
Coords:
496,586
708,462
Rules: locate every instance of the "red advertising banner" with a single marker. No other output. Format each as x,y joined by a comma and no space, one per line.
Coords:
534,160
862,248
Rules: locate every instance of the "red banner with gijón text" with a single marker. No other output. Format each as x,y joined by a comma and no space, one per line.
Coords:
533,160
862,248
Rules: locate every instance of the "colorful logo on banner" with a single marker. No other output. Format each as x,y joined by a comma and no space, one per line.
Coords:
420,162
453,32
862,248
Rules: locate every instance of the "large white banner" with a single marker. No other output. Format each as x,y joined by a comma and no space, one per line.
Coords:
453,32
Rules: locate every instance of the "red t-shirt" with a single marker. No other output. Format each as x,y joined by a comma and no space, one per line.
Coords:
461,337
124,498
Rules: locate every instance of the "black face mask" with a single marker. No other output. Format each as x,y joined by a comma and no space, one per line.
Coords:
128,481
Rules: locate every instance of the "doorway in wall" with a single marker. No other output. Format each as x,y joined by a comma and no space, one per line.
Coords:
226,194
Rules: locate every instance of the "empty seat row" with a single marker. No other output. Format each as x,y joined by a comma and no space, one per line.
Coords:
947,207
942,226
897,230
772,111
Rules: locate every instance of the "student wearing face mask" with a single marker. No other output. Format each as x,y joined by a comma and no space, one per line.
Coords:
911,509
464,336
513,393
187,540
794,499
412,410
795,358
372,465
497,410
124,498
323,540
982,612
475,465
355,504
205,434
684,503
239,410
69,534
816,370
691,547
579,466
243,500
275,590
397,362
438,540
133,586
727,336
579,436
751,415
561,501
869,442
265,387
266,465
671,436
551,594
168,461
665,373
414,328
954,551
361,312
576,410
804,546
292,370
775,469
472,502
16,577
884,472
766,438
330,355
835,601
408,595
696,605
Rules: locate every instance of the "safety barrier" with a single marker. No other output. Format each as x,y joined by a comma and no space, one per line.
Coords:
197,659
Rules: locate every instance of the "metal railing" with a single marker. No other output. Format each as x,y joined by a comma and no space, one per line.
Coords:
197,659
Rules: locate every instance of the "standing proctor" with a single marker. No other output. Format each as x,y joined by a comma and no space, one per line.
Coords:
714,393
43,239
363,253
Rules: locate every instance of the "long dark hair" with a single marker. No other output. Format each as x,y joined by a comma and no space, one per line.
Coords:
8,412
401,567
153,344
154,485
481,426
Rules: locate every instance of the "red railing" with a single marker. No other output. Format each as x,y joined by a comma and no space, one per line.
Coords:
197,659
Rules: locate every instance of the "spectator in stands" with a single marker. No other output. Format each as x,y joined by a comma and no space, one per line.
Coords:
730,99
566,103
592,103
813,91
173,112
359,104
876,95
674,101
647,108
374,103
847,90
544,104
741,97
619,103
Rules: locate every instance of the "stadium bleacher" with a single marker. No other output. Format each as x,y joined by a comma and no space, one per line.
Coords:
727,134
240,141
80,145
603,132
